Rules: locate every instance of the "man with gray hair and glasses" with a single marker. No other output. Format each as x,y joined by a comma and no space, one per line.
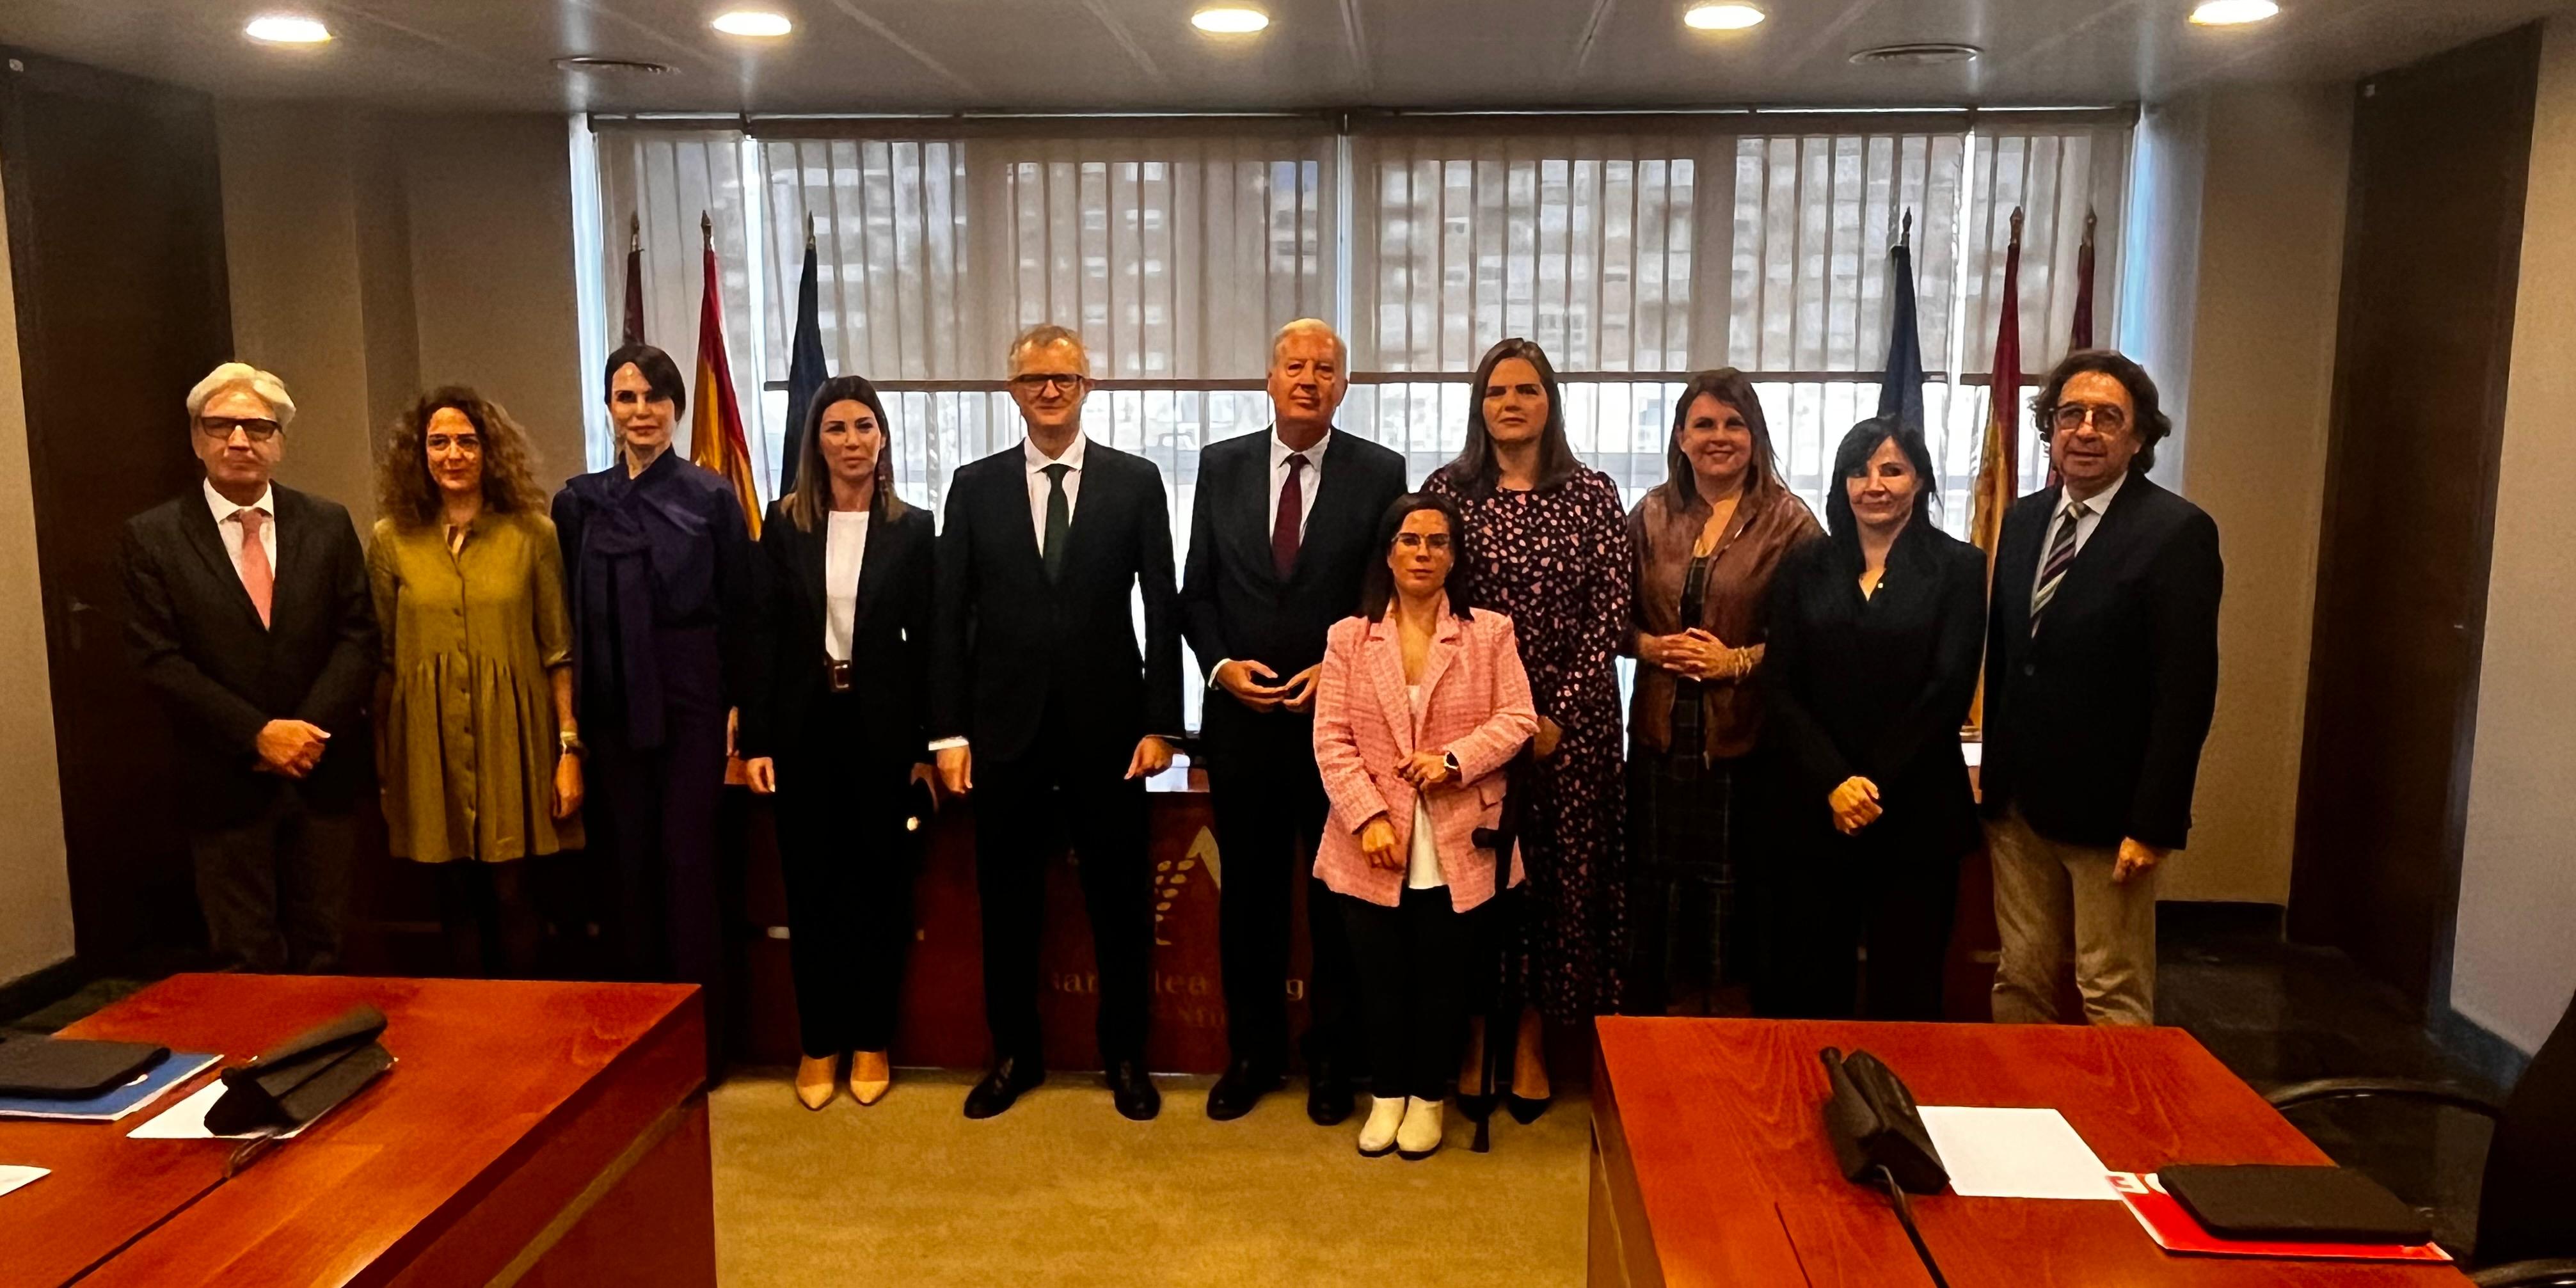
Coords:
249,614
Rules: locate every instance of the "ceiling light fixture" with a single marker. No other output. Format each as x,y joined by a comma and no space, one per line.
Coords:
1921,53
286,29
752,22
1722,17
2230,13
1229,20
597,63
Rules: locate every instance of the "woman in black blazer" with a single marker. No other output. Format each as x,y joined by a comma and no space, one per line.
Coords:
1876,634
836,730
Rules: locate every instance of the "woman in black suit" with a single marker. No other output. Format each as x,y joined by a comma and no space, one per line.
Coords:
837,730
1876,634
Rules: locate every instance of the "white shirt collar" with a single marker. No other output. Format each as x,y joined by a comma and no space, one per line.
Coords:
1036,460
1280,451
2096,505
223,508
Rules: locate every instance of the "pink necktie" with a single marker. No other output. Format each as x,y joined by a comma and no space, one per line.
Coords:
257,577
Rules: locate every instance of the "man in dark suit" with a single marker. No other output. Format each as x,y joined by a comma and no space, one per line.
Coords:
2101,676
1044,706
1281,533
249,614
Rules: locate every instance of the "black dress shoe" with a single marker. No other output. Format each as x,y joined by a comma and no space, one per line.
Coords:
1328,1094
1010,1076
1525,1110
1132,1091
1244,1084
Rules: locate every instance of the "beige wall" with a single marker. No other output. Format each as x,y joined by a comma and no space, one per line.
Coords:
35,877
2513,961
2231,304
375,255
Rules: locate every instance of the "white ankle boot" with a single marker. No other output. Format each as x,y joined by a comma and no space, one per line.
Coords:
1419,1136
1377,1135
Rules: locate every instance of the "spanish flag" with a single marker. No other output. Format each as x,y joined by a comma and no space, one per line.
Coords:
715,431
1998,461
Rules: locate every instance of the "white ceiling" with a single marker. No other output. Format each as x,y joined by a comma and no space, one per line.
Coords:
952,55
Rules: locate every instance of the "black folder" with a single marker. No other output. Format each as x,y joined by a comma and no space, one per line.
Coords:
2281,1204
72,1069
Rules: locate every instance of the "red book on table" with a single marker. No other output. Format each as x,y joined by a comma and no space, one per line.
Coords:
2172,1227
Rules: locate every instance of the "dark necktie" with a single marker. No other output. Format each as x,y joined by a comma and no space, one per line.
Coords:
1292,516
2061,552
1059,523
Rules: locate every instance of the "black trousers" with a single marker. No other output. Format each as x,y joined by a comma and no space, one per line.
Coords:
1270,813
492,925
274,887
849,862
653,821
1064,790
1827,898
1415,960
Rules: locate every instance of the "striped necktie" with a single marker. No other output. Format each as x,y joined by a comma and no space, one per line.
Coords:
2061,552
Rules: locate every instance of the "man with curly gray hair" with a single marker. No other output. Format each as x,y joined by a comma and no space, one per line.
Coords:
249,615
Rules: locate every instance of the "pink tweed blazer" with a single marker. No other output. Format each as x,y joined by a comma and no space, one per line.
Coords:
1477,709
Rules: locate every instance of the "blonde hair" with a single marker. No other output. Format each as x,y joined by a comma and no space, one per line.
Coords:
241,375
1047,333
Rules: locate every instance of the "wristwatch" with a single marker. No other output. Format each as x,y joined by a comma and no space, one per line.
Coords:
570,741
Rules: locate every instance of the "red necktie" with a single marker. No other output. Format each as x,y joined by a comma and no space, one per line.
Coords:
1292,516
257,577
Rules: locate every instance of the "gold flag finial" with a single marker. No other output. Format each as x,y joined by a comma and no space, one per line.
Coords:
707,226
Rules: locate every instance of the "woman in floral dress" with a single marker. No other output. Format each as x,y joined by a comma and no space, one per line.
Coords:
1547,545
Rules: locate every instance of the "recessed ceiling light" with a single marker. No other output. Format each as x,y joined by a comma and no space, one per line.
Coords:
287,29
2229,13
1230,20
752,22
1722,17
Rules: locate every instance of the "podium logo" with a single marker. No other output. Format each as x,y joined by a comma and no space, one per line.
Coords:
1172,874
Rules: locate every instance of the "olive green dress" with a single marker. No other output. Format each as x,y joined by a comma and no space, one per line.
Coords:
470,732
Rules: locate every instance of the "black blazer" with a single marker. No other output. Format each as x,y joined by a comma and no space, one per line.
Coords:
1234,604
199,644
889,640
2093,728
1005,642
1878,687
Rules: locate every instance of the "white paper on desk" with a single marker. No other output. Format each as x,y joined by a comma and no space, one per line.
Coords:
186,1120
13,1177
2015,1154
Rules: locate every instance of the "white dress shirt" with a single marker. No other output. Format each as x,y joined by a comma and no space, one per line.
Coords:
1279,454
845,549
228,522
2084,525
1037,461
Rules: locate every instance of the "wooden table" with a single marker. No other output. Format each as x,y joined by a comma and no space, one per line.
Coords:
1709,1161
537,1133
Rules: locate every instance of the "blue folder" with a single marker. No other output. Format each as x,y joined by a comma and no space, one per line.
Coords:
181,1066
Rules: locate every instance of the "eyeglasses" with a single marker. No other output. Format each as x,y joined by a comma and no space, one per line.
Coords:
260,428
2106,418
1416,540
1038,382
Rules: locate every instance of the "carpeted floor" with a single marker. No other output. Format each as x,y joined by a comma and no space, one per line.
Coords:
1062,1191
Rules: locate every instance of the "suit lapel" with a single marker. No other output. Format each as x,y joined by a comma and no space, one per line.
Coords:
1385,649
2099,550
1328,494
2018,565
881,554
294,550
208,540
1444,648
1251,501
1014,486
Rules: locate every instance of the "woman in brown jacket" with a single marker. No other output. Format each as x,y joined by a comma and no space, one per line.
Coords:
1707,540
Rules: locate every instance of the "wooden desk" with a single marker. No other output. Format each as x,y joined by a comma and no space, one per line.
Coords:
537,1133
1709,1162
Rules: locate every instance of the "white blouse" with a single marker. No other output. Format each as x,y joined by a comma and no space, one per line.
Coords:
845,548
1422,865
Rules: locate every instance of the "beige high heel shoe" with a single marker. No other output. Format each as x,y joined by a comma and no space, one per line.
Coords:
870,1075
814,1077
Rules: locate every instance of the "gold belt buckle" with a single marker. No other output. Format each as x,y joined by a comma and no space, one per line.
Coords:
836,675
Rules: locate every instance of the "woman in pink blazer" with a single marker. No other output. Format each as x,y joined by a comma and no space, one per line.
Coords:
1420,705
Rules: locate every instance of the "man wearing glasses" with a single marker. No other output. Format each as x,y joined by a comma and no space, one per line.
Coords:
1044,706
2101,675
249,615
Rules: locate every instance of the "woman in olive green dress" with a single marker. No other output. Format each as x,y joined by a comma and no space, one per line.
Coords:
477,747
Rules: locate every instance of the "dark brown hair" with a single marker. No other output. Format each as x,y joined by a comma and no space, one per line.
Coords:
812,497
1475,471
1377,589
661,376
2152,425
406,494
1853,455
1735,389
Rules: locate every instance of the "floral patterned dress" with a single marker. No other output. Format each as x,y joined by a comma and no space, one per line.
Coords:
1556,562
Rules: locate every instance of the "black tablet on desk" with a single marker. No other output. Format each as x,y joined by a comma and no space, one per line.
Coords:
68,1069
2274,1203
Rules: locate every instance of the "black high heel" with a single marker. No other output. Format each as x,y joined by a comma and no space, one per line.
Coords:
1525,1110
1477,1109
